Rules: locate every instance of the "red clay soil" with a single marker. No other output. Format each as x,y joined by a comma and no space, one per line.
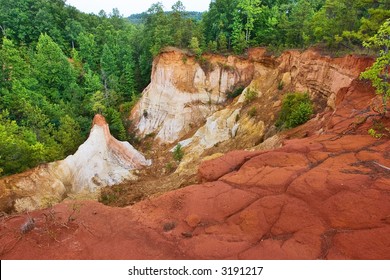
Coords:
325,196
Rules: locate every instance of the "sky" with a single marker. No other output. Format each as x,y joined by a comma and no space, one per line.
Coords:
128,7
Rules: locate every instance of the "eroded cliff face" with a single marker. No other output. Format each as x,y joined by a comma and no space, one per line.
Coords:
183,92
249,119
100,161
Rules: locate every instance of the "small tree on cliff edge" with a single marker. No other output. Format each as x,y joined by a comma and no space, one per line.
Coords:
378,73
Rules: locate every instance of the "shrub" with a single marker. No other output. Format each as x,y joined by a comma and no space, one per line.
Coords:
236,92
252,112
373,133
296,110
178,153
378,129
250,95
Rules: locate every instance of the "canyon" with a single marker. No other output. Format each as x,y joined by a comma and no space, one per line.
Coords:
243,190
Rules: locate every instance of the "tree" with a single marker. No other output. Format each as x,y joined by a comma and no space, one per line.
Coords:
337,18
297,25
219,20
159,27
379,72
250,9
222,43
68,135
108,62
194,46
377,13
268,27
114,120
53,69
73,28
88,49
238,36
19,148
12,65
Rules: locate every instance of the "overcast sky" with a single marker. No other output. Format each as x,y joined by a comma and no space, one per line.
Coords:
128,7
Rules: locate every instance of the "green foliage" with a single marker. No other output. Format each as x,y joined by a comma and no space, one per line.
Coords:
250,9
53,70
19,148
222,43
379,72
236,92
108,197
296,110
293,23
178,153
212,46
116,125
250,95
379,130
194,47
49,90
238,36
297,25
218,22
373,133
68,135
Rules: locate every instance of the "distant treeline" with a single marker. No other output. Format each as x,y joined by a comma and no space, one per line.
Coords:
140,18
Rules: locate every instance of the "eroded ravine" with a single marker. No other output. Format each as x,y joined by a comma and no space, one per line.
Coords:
324,194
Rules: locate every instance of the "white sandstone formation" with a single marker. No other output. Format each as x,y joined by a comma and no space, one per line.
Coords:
100,161
184,92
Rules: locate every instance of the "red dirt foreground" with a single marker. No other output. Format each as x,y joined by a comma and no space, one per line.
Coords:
326,196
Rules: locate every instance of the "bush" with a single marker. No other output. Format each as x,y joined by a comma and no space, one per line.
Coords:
296,110
178,153
236,92
250,95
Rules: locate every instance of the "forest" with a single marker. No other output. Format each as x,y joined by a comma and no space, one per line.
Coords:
59,66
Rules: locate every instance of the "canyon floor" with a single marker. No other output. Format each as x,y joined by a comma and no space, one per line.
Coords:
319,196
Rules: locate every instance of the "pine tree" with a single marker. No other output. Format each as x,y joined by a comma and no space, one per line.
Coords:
53,69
